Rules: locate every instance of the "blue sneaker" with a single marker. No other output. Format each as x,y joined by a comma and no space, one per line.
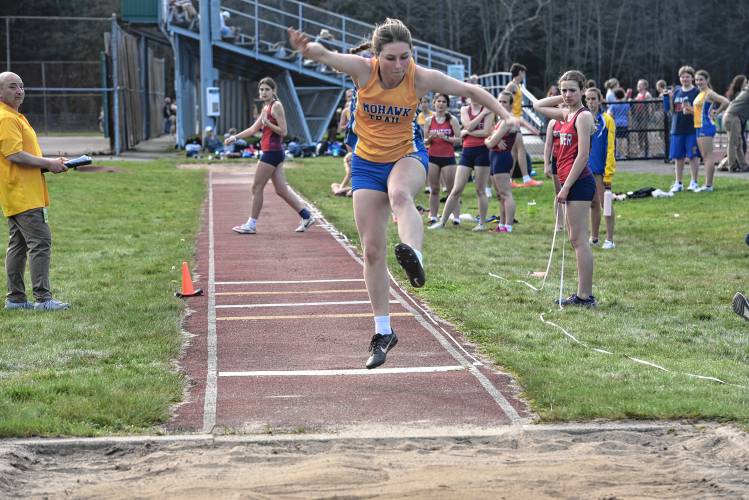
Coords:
18,305
51,305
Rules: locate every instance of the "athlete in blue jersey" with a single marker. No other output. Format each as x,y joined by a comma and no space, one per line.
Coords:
683,135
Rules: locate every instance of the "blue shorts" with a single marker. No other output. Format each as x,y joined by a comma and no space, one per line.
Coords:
477,156
684,146
272,158
367,174
501,162
584,189
707,130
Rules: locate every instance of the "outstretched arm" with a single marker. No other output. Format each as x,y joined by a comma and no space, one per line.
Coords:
248,132
355,66
431,80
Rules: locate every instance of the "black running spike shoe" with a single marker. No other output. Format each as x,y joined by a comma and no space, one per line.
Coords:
379,347
574,300
410,263
741,305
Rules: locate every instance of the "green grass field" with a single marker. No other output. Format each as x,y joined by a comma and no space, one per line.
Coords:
108,365
665,295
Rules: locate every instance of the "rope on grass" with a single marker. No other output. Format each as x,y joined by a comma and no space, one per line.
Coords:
583,344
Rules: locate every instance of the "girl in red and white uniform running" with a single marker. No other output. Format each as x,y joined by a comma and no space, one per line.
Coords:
441,133
578,186
272,123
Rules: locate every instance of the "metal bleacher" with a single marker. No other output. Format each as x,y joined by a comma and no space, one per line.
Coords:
258,46
495,83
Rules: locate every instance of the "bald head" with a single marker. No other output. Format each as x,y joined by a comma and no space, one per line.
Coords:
11,89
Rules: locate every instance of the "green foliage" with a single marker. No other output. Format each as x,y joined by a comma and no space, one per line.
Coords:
664,295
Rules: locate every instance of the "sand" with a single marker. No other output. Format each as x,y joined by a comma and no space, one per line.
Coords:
603,461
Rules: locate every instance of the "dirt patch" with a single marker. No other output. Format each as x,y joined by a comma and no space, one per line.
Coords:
94,169
622,461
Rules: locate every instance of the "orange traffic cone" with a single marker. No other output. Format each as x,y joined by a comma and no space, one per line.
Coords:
187,288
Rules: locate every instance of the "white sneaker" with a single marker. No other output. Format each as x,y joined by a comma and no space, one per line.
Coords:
608,245
678,187
244,229
479,228
305,224
432,220
693,186
593,242
436,225
704,189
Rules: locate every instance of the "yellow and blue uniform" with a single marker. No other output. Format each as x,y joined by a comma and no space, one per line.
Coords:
21,188
384,129
602,160
702,122
517,102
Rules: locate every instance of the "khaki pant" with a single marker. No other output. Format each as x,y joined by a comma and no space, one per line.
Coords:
735,157
28,234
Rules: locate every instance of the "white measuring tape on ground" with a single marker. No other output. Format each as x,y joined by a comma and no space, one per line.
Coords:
572,337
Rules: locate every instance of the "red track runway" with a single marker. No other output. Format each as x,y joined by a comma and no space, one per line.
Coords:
280,339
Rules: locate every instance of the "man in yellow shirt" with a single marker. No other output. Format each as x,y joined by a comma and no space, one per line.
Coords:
24,200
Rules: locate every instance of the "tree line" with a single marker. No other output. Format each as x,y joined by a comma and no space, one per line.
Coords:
628,40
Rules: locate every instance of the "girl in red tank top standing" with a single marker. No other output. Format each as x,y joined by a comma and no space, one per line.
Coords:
578,185
272,124
477,123
442,133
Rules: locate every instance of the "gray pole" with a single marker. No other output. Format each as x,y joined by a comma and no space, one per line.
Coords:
114,47
44,96
207,74
7,42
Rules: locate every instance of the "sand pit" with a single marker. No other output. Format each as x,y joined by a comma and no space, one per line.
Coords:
576,461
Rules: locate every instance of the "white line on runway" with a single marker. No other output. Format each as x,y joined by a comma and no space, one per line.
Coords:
292,292
211,389
353,371
298,304
288,282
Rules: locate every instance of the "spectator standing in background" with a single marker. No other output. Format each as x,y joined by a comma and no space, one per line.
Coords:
736,114
24,200
642,113
619,111
683,135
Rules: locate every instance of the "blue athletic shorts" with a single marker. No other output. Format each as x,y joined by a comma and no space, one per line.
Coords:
684,146
584,189
501,162
367,174
272,158
477,156
707,130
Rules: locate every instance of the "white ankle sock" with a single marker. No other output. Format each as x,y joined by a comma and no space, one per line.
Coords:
526,178
419,256
382,325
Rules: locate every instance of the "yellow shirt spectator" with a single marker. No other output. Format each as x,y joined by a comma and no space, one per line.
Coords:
21,188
